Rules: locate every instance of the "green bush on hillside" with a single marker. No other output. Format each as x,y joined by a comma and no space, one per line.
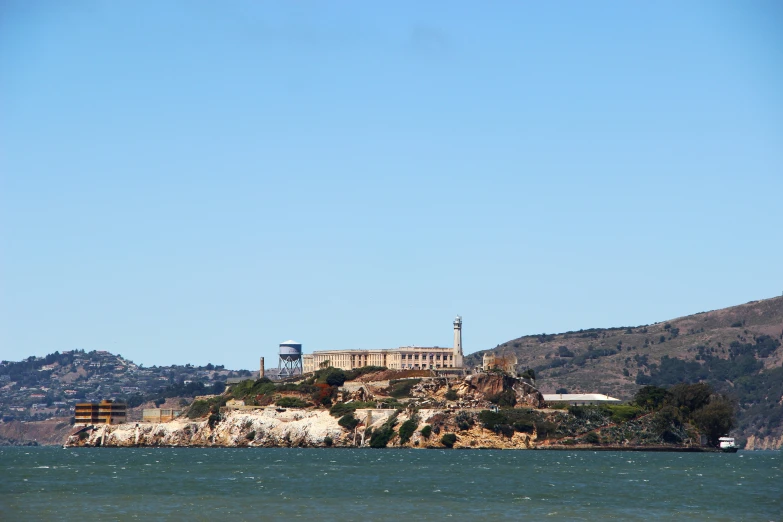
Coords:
402,388
448,440
202,407
340,409
592,438
348,421
622,412
381,437
291,402
545,429
464,420
358,372
490,419
407,429
715,419
251,388
651,397
198,409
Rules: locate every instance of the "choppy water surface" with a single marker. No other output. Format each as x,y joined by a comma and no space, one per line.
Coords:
276,484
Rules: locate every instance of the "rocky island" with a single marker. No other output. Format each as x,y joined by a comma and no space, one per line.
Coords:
375,407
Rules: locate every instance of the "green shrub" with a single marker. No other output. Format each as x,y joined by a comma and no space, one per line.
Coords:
331,376
336,378
451,395
348,421
690,397
202,407
525,426
328,441
578,411
358,372
198,409
391,404
291,402
545,429
592,438
491,420
214,418
340,409
464,420
651,397
402,388
426,431
407,429
250,389
448,440
622,412
715,419
381,437
251,435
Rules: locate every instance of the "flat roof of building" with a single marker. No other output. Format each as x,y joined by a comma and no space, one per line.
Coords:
363,350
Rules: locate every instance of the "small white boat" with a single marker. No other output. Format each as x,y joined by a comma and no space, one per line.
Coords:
727,445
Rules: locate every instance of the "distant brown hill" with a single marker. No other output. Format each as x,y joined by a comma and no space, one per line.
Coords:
737,350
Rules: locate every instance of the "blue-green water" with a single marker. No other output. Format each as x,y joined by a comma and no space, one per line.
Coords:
370,485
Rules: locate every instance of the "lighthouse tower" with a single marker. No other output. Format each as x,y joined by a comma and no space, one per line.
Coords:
458,342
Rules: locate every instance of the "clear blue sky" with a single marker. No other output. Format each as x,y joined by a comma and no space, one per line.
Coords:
200,181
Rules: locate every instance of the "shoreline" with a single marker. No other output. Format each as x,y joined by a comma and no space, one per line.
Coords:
659,449
654,449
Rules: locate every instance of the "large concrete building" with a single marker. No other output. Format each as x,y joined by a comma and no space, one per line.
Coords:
104,412
403,358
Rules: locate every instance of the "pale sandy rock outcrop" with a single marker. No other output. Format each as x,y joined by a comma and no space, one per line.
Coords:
292,428
764,443
268,427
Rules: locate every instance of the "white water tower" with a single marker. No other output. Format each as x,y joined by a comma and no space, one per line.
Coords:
290,362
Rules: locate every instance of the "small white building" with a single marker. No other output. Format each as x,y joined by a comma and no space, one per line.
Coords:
580,399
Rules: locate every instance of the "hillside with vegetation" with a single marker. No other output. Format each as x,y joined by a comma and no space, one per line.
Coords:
736,350
40,388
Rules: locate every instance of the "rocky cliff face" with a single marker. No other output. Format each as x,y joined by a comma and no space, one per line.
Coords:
268,427
264,427
478,391
764,443
493,384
